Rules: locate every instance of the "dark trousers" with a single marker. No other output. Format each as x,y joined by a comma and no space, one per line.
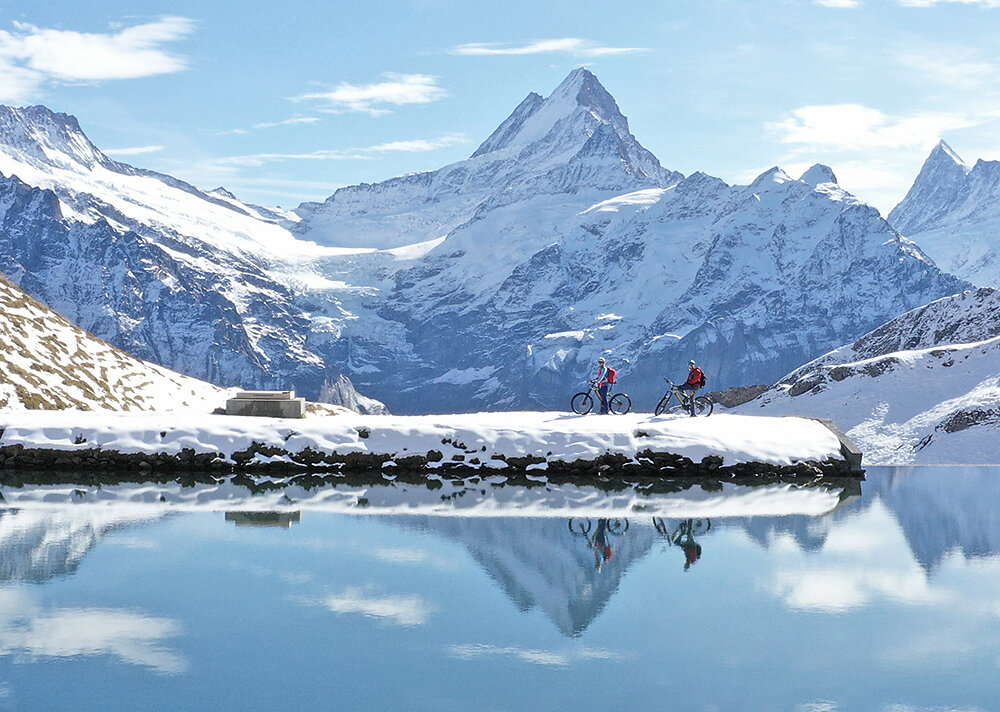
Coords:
691,390
602,391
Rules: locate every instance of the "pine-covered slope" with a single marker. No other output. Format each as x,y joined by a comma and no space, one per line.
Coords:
953,212
922,389
48,363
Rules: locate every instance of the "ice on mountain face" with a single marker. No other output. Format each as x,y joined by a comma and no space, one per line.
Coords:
953,213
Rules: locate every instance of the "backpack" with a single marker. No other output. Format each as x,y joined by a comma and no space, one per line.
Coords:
701,382
612,375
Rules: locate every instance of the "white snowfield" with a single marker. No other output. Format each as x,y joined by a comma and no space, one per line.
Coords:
550,435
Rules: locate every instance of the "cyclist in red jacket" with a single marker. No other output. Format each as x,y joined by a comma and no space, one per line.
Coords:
695,380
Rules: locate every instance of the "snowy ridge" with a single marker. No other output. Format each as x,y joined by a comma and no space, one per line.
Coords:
953,212
46,362
922,389
492,283
481,440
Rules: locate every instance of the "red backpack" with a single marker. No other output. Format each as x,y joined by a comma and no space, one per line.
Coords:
612,375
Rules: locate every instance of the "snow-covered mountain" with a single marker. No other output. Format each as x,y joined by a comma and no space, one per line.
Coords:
922,389
953,212
48,363
492,283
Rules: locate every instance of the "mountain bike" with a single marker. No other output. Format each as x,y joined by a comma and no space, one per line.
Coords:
702,404
583,402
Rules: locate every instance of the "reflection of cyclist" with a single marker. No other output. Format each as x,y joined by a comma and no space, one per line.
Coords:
692,549
683,537
602,549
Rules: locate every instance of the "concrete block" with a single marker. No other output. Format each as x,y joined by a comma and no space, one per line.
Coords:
267,404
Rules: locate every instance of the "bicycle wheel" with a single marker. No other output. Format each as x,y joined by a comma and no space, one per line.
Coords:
679,409
703,406
579,526
618,526
620,403
700,526
661,407
582,403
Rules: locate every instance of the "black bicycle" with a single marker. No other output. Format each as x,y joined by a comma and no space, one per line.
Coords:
702,405
583,402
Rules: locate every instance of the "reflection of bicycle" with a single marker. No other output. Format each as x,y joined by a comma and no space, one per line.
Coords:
583,402
702,404
689,527
582,526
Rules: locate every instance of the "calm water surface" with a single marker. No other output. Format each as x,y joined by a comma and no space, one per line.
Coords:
889,602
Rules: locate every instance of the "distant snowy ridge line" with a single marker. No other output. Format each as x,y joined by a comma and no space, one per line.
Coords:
480,441
445,499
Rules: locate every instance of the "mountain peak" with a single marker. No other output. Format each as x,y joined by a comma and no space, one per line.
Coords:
818,174
42,135
568,115
943,153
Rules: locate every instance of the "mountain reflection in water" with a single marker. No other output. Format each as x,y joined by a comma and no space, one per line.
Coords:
901,581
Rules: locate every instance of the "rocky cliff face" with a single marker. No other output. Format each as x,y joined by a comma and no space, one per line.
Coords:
953,212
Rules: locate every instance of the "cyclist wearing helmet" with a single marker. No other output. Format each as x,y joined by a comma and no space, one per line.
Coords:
602,385
695,380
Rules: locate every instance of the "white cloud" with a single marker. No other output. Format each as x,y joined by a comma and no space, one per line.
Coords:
567,45
931,3
134,151
26,629
31,56
855,127
408,146
533,656
942,66
396,89
396,610
839,3
288,122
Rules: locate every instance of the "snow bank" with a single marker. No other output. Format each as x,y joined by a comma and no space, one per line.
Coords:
480,439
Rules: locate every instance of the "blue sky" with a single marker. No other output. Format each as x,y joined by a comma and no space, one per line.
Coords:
284,102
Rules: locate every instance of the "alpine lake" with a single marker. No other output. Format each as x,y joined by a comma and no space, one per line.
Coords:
736,598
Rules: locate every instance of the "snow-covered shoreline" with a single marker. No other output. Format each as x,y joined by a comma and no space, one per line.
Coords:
491,442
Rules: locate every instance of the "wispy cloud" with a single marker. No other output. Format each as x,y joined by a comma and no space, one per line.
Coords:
565,45
534,656
288,122
941,65
408,146
134,151
395,90
931,3
395,610
856,127
26,628
294,121
839,3
32,56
